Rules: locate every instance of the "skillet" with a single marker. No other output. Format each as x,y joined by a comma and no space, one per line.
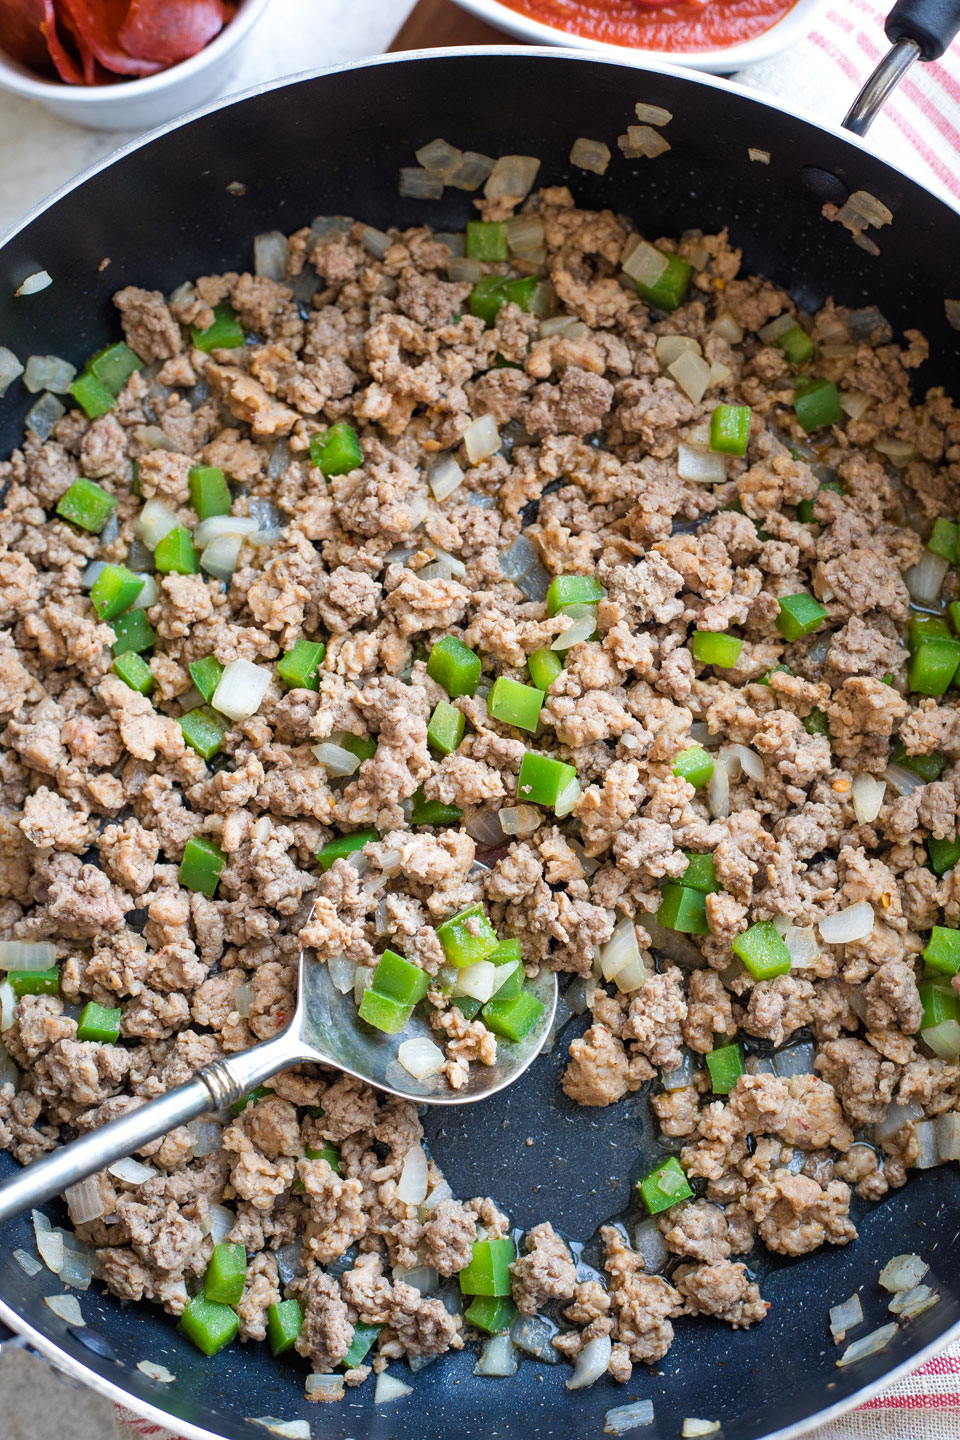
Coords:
333,143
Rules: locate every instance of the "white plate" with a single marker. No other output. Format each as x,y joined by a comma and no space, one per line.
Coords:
794,25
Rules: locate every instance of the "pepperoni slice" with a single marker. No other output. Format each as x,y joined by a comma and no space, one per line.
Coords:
166,31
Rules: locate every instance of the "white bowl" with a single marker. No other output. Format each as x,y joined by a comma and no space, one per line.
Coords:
140,104
791,28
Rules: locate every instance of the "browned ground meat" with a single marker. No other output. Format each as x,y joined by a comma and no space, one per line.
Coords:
102,793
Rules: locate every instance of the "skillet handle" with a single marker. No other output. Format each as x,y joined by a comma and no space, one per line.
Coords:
920,30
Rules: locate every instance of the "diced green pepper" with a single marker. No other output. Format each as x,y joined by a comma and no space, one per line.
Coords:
134,671
209,491
284,1323
487,298
776,670
512,985
201,866
512,1017
488,1272
796,345
35,982
805,507
944,854
544,666
670,289
816,723
928,767
336,451
398,979
492,1313
939,1003
701,873
943,538
343,845
446,727
492,292
175,554
694,765
363,746
817,404
467,936
726,1066
383,1012
544,780
298,668
565,590
206,674
665,1186
91,395
226,332
87,505
799,615
363,1337
487,240
208,1324
942,950
251,1098
953,610
330,1153
203,730
113,366
433,812
683,908
468,1005
226,1274
515,704
99,1022
454,666
507,952
730,429
762,951
716,647
115,590
134,633
925,627
933,665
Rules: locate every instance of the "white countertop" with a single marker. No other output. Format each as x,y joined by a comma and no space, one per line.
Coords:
38,152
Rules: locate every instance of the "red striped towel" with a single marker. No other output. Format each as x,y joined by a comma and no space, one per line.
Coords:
919,129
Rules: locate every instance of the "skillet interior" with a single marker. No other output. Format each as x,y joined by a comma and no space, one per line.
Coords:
333,144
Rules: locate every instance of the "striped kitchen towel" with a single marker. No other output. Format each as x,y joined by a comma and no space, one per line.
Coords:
919,129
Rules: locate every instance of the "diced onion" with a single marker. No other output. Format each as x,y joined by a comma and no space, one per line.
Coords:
741,757
567,798
243,1000
794,1060
288,1429
477,980
703,467
413,1183
10,369
8,1008
845,1316
863,208
925,579
220,557
651,1246
130,1171
39,280
481,439
217,525
498,1358
49,372
387,1388
948,1135
727,328
519,819
440,1192
868,795
620,949
335,760
43,415
271,253
375,242
693,1428
512,177
925,1132
91,573
325,1387
622,1418
27,954
943,1039
591,1363
484,827
207,1139
155,521
417,184
440,158
908,1304
775,328
534,1335
582,628
524,232
670,347
464,270
420,1058
898,452
801,941
342,972
759,157
895,1118
67,1307
148,594
683,1075
854,922
952,311
160,1373
594,156
422,1277
444,476
855,403
692,374
903,1272
241,690
632,976
718,791
904,781
652,114
643,262
870,1345
27,1263
77,1269
50,1247
643,140
85,1201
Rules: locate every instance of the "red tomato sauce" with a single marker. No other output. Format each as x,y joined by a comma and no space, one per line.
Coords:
649,25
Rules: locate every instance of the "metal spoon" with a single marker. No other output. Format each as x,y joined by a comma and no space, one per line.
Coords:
324,1031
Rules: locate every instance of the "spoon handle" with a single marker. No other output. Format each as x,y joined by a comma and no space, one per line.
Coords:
213,1087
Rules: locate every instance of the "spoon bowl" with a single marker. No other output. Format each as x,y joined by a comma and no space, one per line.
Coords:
324,1030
